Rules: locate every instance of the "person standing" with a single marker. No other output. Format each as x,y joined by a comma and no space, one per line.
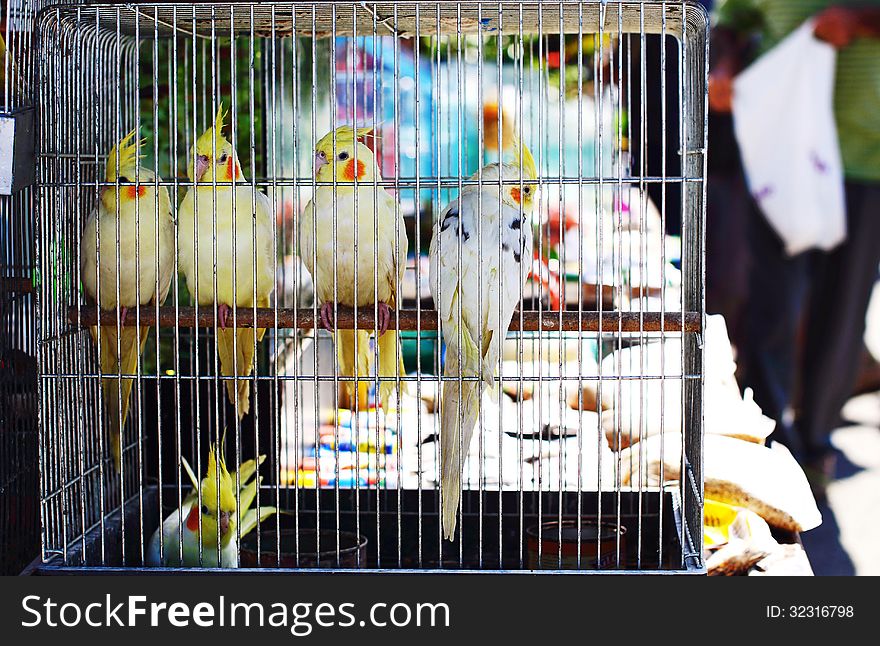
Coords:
726,194
822,296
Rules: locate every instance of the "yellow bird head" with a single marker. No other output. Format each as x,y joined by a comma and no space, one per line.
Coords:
511,194
213,157
342,164
217,485
526,164
525,197
127,170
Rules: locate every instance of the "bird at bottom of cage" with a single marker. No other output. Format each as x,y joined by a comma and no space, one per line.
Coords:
223,509
353,242
225,237
126,261
479,261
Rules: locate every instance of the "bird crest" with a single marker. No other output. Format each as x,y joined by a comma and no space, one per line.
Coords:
523,158
218,475
344,135
127,150
212,139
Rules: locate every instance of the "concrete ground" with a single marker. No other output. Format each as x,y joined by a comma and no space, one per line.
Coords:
848,541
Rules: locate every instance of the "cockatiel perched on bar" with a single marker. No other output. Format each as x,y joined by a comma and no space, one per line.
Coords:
467,256
221,510
239,223
376,255
139,220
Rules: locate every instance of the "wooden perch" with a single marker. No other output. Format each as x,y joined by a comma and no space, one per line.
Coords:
303,319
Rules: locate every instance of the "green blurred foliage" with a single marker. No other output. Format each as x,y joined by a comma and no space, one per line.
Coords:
242,77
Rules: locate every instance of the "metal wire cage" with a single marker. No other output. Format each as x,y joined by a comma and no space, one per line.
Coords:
19,489
611,309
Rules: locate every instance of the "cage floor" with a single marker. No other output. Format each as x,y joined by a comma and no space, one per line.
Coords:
400,531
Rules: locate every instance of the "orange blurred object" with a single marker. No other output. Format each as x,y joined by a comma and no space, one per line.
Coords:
490,127
550,281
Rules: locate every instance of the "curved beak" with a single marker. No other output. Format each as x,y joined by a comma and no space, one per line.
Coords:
320,162
201,166
224,523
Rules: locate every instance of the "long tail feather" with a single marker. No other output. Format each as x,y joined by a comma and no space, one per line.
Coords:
247,495
249,519
390,366
116,394
460,403
351,365
247,470
241,366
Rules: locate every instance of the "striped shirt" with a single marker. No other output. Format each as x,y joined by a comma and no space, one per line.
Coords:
857,86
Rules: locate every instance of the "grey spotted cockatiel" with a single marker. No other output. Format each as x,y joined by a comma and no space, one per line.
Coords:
476,281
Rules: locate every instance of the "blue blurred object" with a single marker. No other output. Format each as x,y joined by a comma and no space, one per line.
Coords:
361,61
448,146
348,482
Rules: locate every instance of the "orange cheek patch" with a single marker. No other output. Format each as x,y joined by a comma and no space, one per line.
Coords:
192,521
348,171
232,169
134,192
516,195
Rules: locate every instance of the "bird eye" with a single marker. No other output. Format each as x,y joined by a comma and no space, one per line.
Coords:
205,510
343,156
527,190
223,158
123,178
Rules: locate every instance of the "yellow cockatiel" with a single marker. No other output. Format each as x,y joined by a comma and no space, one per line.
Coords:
226,500
139,221
239,226
479,260
368,267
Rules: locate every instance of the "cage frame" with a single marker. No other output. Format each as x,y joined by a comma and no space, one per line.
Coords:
693,58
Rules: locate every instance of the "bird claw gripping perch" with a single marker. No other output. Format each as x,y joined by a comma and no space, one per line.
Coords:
384,317
222,315
328,319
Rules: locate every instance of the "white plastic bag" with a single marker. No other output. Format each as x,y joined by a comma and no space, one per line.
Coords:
784,122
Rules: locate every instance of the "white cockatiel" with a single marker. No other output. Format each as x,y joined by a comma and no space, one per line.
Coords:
479,260
371,255
137,221
189,522
244,273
